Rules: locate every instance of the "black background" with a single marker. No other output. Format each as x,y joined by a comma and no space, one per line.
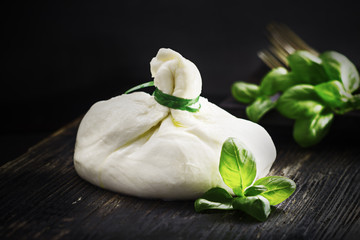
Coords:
59,57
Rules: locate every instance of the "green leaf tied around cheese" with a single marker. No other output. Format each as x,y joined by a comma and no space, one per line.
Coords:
237,166
256,206
275,188
300,101
214,199
339,67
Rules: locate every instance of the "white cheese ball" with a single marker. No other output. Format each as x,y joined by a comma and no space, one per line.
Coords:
133,145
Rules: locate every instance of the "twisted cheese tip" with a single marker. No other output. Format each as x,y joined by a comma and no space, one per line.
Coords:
175,75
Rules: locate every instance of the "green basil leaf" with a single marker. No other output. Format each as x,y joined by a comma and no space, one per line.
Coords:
255,190
256,206
215,198
277,188
307,67
277,80
355,101
339,67
244,92
257,109
237,166
333,94
299,101
310,131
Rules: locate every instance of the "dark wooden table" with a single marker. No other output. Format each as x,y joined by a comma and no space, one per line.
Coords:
42,197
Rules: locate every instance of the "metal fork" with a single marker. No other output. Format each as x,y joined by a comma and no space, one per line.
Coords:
283,41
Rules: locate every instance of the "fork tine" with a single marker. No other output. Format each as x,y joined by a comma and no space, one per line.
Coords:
283,43
277,40
280,53
284,34
297,40
269,59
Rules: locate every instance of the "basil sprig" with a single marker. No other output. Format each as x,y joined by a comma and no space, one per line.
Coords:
168,100
238,171
312,92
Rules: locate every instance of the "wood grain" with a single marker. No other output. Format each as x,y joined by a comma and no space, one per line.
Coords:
42,197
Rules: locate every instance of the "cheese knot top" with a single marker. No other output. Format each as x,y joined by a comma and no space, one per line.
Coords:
175,75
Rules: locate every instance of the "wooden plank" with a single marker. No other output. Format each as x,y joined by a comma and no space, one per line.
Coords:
43,198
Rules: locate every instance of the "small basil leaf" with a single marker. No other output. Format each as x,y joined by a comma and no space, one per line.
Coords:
256,206
333,94
237,166
310,131
307,67
257,109
244,92
277,80
255,190
277,188
339,67
299,101
215,198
